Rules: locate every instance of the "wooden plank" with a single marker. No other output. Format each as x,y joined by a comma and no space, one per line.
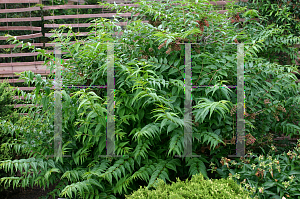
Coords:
25,54
18,68
12,74
20,97
19,10
12,80
72,25
119,1
19,54
21,28
13,45
219,3
24,36
81,34
81,16
33,68
22,105
77,1
27,88
21,63
19,1
20,19
17,80
64,7
83,25
65,34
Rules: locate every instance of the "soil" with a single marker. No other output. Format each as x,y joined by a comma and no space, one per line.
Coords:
28,193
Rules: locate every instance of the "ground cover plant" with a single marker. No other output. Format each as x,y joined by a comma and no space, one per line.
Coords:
149,102
272,175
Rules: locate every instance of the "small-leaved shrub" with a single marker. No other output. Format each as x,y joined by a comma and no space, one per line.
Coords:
198,187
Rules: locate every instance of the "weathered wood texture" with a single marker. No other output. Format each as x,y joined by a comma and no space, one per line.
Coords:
19,10
20,28
19,1
82,25
19,46
20,19
31,36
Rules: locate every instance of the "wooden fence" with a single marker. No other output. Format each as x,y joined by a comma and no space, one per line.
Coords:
8,70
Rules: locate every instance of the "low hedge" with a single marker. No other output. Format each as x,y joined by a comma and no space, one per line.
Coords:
198,187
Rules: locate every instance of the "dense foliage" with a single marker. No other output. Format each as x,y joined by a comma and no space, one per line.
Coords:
273,175
198,187
149,101
6,113
283,15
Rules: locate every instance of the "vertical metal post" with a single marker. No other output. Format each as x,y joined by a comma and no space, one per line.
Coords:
110,144
188,105
58,105
240,143
110,127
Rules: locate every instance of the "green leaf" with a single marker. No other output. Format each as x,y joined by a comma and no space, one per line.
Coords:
176,62
171,127
165,61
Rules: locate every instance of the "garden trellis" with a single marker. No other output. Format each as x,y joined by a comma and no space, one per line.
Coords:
8,69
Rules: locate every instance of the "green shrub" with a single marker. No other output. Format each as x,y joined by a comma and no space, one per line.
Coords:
198,187
270,176
149,103
6,113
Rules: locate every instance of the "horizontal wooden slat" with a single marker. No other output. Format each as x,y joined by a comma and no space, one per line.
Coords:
25,54
21,28
27,88
22,105
119,1
53,44
15,80
19,1
24,36
219,3
65,34
64,7
19,10
21,63
72,25
19,46
20,19
33,68
19,54
83,25
20,97
87,16
12,80
81,34
12,74
77,1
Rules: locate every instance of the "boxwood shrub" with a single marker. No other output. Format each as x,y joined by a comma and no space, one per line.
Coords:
197,187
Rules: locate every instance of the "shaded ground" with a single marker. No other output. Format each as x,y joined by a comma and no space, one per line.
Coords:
28,193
